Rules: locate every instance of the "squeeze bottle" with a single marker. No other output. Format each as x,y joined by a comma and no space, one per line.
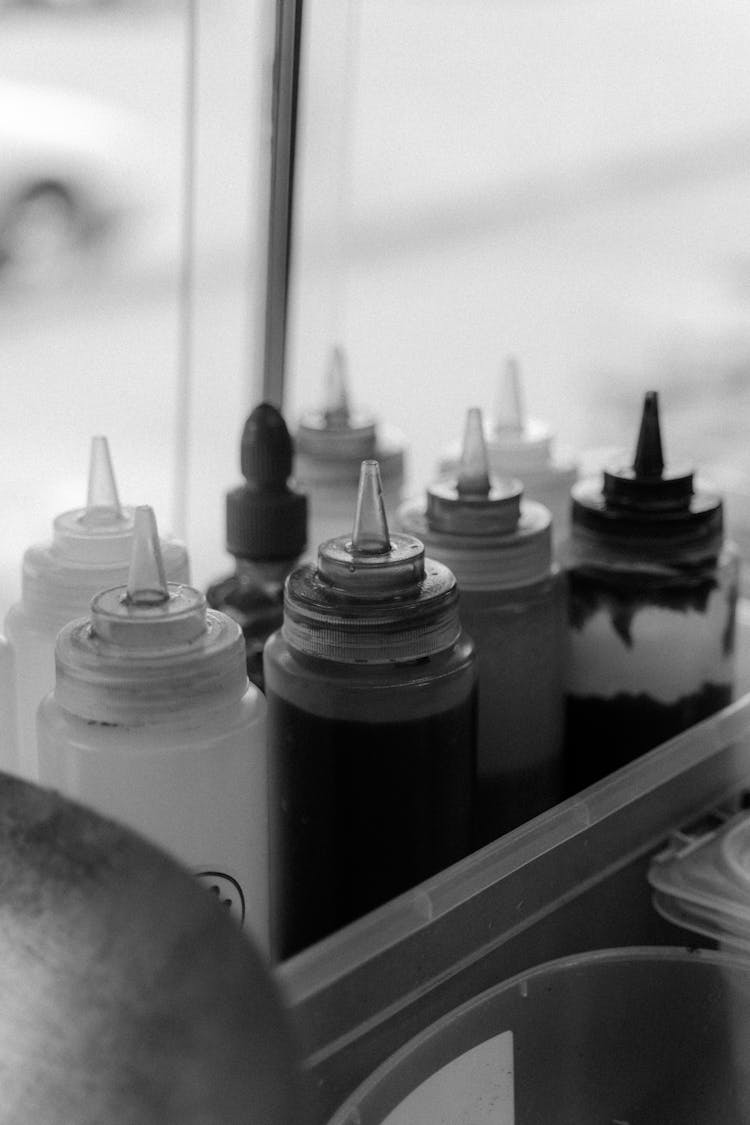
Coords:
370,685
153,722
653,592
266,522
8,750
330,445
89,550
522,447
499,547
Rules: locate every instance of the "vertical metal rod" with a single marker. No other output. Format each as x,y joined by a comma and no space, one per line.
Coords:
286,69
186,282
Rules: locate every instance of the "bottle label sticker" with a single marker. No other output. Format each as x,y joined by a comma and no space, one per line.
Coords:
227,890
474,1089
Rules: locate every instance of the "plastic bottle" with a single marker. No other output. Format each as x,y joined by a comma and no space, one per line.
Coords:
266,533
90,550
153,722
8,748
370,686
653,591
522,448
330,446
499,547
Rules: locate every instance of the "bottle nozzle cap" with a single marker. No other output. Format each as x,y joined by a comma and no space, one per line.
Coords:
474,471
472,503
148,613
266,449
102,501
371,561
336,433
649,457
147,581
370,532
266,519
101,532
336,409
509,411
649,485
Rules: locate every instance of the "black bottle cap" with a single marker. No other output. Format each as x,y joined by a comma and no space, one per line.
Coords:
266,519
649,485
649,502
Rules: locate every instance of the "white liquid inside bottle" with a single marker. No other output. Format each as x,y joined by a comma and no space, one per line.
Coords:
154,723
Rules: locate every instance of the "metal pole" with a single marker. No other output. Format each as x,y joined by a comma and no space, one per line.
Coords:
186,292
285,81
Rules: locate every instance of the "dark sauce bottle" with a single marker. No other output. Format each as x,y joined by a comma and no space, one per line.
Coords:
653,592
266,533
371,691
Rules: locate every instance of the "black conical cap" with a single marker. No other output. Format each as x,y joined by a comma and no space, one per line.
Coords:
649,456
266,519
649,484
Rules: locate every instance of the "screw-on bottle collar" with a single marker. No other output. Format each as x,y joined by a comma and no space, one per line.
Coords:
150,649
649,508
373,597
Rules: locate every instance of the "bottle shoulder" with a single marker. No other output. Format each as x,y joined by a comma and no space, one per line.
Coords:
22,623
321,686
171,731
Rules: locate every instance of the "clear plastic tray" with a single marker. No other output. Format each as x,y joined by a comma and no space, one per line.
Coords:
570,881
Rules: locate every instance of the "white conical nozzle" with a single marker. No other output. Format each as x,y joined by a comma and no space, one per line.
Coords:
102,501
474,470
336,408
147,581
509,412
370,534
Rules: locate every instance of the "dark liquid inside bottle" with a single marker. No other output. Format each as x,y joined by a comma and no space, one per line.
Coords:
257,612
364,811
609,733
604,733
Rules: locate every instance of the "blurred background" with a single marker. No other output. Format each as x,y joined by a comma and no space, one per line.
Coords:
564,180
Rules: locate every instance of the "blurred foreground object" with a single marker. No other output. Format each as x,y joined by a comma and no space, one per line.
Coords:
71,170
129,996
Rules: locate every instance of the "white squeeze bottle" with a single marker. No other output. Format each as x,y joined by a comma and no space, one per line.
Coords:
90,550
522,447
330,445
154,723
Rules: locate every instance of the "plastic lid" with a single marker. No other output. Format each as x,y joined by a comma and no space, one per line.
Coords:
90,550
735,847
149,646
266,519
702,877
471,503
336,432
512,434
479,526
649,505
373,598
649,485
517,446
148,612
102,531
